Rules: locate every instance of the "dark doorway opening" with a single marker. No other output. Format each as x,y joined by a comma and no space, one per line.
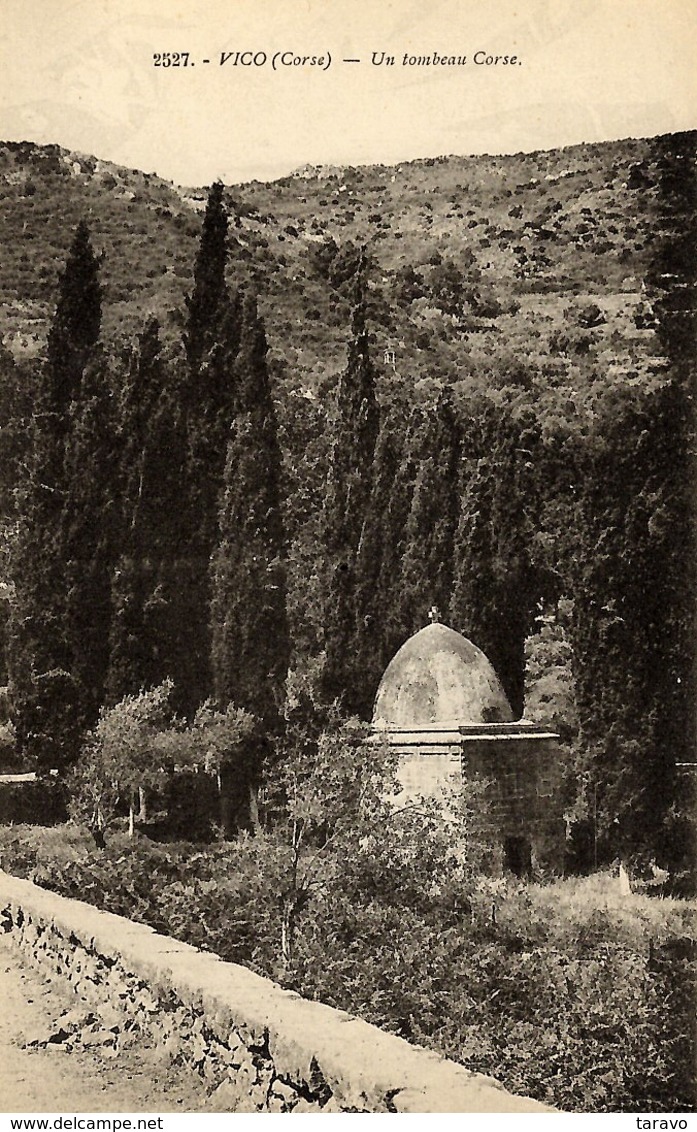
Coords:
518,854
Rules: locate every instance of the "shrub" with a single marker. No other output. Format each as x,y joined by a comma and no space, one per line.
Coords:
39,801
560,992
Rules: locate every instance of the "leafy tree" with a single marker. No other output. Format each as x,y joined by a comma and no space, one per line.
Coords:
322,254
447,287
213,745
138,745
409,284
550,696
119,757
348,831
215,736
454,289
348,263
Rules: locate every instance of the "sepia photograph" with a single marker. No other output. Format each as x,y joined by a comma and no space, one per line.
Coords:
347,560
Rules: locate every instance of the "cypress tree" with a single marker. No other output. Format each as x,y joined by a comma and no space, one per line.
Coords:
250,641
349,479
427,567
305,443
377,567
634,568
250,635
87,532
633,622
207,394
149,628
208,299
47,699
211,342
74,330
396,619
496,584
16,412
208,425
473,602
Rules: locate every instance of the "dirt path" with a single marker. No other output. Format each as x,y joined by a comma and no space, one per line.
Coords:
67,1076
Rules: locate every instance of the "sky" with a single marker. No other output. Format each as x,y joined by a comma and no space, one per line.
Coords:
81,73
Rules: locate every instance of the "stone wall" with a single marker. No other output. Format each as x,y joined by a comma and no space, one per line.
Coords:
258,1047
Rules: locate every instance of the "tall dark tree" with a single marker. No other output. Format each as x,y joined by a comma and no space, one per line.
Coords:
74,331
395,615
304,440
87,534
377,565
47,699
497,584
427,567
16,412
208,401
207,302
211,342
248,612
354,426
634,619
250,641
150,625
208,421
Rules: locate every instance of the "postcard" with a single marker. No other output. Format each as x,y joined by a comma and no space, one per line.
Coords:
347,675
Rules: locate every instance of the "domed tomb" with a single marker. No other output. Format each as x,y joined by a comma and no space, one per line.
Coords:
441,708
439,678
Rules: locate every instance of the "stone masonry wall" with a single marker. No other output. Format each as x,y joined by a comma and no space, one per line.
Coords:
259,1048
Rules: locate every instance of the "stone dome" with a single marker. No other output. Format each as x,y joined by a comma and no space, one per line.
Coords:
438,677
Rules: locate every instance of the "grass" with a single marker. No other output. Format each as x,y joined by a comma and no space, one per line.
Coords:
545,912
567,991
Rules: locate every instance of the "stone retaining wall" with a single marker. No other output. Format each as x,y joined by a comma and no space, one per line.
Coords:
260,1048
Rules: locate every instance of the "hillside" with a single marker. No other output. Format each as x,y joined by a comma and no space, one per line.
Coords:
169,510
523,271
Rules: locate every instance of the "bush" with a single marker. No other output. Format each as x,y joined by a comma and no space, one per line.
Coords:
560,992
39,801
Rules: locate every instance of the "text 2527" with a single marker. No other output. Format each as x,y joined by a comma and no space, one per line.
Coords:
171,59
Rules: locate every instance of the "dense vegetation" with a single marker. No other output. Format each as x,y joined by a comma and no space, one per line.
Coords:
224,508
564,992
186,505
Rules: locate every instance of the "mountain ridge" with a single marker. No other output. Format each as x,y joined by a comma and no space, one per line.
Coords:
477,265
